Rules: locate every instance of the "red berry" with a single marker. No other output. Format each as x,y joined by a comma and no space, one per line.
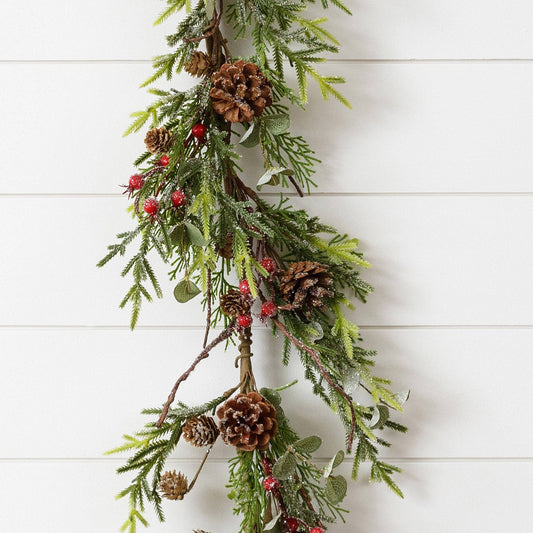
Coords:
199,131
244,287
136,182
164,161
245,321
291,524
178,198
268,264
316,530
267,465
269,309
270,483
151,206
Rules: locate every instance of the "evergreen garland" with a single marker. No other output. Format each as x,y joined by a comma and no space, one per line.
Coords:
225,242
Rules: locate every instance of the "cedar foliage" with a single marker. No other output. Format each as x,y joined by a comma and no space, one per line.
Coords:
219,204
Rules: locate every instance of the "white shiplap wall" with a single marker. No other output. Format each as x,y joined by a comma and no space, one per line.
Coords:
432,170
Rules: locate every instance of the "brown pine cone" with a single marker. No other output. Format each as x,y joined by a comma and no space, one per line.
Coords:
198,65
248,422
226,251
240,91
199,531
201,431
305,285
173,486
158,140
233,304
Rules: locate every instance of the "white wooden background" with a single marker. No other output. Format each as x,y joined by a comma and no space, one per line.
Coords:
432,170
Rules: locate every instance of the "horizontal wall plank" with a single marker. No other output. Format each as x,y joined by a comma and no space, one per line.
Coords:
73,393
415,127
82,493
123,29
437,260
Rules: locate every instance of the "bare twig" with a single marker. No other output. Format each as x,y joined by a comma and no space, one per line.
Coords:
203,355
208,318
316,358
296,186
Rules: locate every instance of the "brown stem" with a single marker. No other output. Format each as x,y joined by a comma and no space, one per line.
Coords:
296,186
208,317
316,358
245,362
203,355
213,27
206,455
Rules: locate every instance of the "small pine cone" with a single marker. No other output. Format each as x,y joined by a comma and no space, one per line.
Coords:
305,285
233,304
173,486
198,65
240,91
199,531
158,140
226,251
248,422
201,431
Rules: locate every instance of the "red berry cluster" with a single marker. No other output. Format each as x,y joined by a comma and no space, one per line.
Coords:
269,309
268,264
151,207
198,131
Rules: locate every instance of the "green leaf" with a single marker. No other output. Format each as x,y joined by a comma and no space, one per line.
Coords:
195,235
272,523
380,416
284,466
277,124
250,137
272,396
336,487
178,236
333,463
185,290
270,177
308,445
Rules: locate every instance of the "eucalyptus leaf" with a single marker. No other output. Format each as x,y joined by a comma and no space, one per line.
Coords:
250,137
272,396
284,466
333,463
351,380
336,487
277,124
308,445
402,397
271,176
186,290
178,236
380,416
272,523
195,235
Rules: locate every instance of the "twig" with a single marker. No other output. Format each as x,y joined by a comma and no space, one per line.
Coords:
296,186
208,318
200,467
203,355
316,358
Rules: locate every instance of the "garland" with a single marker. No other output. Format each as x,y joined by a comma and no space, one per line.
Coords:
252,262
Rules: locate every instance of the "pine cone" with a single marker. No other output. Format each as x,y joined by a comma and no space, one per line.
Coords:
198,65
233,304
248,422
173,486
226,251
201,431
199,531
240,91
305,285
158,140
